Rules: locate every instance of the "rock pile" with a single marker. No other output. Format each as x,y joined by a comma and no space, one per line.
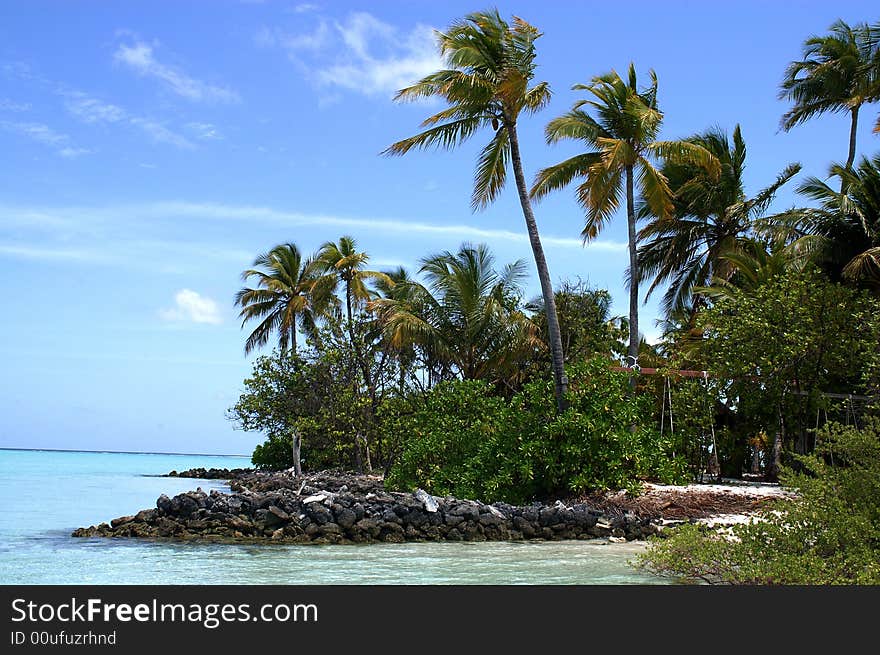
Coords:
339,508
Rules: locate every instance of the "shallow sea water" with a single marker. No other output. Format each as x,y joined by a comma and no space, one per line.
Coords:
44,495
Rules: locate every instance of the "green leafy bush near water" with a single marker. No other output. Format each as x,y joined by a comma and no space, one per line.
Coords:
467,442
828,534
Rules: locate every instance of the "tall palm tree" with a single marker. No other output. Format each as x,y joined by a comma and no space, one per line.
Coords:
282,298
623,146
839,72
487,85
711,217
843,233
466,315
342,263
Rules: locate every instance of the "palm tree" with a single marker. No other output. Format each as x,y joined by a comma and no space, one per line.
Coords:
487,85
751,266
467,315
843,233
622,144
283,297
711,217
839,72
342,263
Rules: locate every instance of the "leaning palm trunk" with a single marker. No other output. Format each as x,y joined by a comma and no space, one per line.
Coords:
560,380
633,350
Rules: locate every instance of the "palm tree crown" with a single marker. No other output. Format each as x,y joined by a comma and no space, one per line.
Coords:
281,298
711,217
839,72
342,262
622,150
843,233
466,316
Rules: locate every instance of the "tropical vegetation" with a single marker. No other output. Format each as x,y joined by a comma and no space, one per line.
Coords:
449,379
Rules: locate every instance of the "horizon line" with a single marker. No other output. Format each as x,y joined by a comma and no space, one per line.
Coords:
118,452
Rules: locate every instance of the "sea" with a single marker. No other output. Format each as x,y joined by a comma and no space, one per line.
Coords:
45,495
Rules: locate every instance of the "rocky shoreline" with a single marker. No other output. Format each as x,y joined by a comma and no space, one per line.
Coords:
339,508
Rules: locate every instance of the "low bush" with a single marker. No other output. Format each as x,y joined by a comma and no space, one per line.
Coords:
466,442
828,534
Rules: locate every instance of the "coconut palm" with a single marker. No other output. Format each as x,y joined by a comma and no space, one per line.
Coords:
711,217
752,266
341,262
282,299
491,65
839,72
466,315
623,147
843,233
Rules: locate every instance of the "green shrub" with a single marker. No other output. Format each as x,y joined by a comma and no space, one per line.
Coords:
465,442
443,435
828,534
273,454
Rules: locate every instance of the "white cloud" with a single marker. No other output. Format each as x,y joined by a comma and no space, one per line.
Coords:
401,226
315,40
37,132
158,132
140,58
79,220
361,54
92,110
192,307
305,7
45,135
71,153
47,254
205,131
10,105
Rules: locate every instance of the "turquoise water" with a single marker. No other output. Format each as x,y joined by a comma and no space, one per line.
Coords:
45,495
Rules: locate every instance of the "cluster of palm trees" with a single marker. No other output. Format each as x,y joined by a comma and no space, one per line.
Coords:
701,231
465,321
700,223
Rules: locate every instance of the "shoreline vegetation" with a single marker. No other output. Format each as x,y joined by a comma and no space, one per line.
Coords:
448,381
447,384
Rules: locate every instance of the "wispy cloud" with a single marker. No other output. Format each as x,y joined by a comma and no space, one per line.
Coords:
399,226
160,133
91,110
48,254
315,40
9,105
204,131
361,54
45,135
79,218
140,57
191,307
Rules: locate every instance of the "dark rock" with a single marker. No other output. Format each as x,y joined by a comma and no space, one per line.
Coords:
346,517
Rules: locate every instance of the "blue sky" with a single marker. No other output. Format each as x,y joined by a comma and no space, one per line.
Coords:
151,149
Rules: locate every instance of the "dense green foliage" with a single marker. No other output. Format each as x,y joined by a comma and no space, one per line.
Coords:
467,442
779,345
828,534
440,377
